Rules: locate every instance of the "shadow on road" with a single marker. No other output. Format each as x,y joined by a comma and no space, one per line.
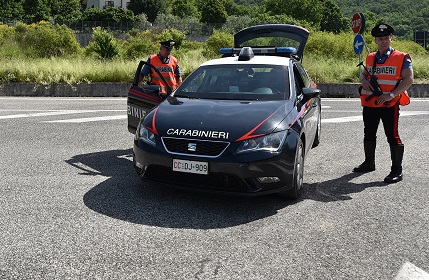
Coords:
337,189
124,196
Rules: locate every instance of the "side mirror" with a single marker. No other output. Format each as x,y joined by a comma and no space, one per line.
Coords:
310,92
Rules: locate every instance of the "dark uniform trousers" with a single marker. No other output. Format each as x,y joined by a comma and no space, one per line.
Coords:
371,119
389,116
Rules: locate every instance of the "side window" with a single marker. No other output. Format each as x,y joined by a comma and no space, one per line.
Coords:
299,83
195,84
304,75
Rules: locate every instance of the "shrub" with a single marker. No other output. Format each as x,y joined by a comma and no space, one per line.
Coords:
42,40
139,44
172,34
217,41
6,32
103,44
327,44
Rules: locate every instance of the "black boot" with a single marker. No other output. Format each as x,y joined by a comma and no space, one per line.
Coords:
369,164
395,175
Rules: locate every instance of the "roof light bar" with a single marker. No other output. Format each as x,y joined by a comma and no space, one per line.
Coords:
226,51
246,53
281,51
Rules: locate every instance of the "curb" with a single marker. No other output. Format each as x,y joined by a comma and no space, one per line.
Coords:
121,90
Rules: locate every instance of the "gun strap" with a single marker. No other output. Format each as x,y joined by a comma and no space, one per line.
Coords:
370,96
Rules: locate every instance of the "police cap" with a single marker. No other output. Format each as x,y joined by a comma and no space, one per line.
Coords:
168,44
382,29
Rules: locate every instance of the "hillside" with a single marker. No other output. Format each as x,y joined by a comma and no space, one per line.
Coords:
405,16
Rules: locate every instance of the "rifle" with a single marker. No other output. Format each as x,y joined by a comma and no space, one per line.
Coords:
376,91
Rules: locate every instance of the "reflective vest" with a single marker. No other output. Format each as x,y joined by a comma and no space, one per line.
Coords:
167,70
388,75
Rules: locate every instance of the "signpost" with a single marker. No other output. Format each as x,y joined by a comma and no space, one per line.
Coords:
358,44
358,23
358,27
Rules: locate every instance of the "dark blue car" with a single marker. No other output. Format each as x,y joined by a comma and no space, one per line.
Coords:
240,124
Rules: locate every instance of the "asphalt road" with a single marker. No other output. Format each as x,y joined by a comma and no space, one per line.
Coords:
71,206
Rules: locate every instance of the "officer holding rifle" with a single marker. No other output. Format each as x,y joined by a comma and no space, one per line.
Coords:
392,71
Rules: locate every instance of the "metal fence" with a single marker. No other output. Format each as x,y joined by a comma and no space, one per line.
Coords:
188,27
422,38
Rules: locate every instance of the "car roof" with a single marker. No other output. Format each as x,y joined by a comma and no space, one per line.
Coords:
256,60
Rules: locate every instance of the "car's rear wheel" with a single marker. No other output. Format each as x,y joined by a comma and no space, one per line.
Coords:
298,173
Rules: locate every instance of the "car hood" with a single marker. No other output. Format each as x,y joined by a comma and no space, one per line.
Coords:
223,120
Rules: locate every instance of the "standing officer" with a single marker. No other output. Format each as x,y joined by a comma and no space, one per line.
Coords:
394,72
167,66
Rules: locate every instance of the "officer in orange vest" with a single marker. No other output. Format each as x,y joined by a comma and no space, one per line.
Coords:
394,73
167,66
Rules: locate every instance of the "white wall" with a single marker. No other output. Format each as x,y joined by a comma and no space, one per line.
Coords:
101,3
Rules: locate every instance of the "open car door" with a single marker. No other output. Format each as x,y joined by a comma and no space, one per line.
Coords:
142,99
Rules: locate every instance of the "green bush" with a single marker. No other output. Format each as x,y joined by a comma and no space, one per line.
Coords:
217,41
103,44
172,34
8,46
6,33
326,44
43,40
139,45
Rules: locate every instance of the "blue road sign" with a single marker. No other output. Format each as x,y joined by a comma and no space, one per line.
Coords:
358,44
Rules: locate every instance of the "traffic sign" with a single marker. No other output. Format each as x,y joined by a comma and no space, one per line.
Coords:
358,23
358,44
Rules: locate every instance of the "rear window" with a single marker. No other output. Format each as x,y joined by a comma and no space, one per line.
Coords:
238,82
271,42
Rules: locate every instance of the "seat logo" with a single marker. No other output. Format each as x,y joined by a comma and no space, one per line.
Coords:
192,147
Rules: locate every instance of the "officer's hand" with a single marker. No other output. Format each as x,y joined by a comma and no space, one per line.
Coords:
366,85
384,98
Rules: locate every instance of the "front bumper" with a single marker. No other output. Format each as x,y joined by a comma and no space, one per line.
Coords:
257,177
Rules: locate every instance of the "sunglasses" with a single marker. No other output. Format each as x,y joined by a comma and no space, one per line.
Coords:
168,48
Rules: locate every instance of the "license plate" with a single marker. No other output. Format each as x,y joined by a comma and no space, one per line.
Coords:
189,166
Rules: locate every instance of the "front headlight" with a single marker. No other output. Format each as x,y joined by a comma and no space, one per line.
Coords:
145,135
271,143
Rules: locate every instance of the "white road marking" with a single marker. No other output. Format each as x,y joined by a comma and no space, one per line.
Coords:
95,119
42,114
411,272
52,113
359,118
342,119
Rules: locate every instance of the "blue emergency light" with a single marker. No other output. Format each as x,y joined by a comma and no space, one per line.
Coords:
280,51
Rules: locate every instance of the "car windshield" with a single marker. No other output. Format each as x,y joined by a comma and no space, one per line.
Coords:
237,82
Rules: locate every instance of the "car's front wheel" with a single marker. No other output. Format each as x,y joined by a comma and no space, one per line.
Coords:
298,173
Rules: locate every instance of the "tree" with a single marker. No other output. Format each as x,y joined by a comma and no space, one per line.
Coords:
213,12
184,8
69,10
308,10
36,10
151,8
232,8
109,14
332,18
11,9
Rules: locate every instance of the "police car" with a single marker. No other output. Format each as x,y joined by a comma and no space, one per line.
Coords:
240,124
